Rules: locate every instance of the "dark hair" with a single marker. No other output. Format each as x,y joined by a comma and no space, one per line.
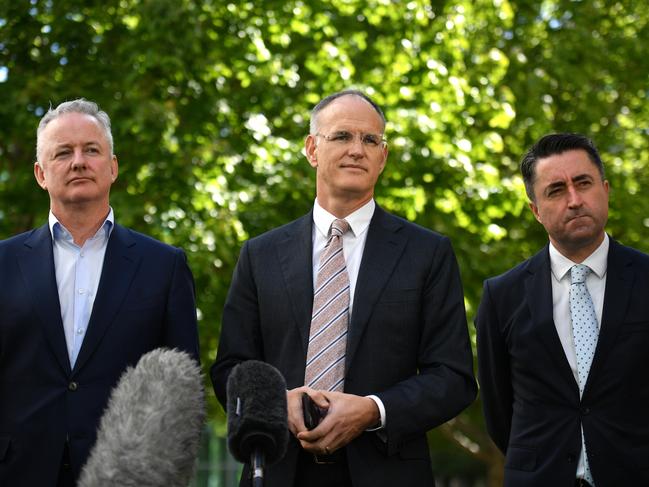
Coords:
553,144
327,100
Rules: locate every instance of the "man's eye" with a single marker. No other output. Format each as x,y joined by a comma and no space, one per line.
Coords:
371,139
341,137
62,153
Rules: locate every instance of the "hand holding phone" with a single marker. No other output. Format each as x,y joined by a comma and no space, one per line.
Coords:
313,413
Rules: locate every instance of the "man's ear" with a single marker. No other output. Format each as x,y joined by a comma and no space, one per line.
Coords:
310,148
385,157
114,168
39,174
535,210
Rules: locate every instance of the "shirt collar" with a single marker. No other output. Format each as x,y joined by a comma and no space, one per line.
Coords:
597,261
359,220
59,231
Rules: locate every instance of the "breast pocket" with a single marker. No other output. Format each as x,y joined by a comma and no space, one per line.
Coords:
635,327
399,296
140,302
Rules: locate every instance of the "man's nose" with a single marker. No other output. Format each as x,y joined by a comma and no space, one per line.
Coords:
356,147
574,197
78,159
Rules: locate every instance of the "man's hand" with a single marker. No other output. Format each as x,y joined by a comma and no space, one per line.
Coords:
294,404
347,417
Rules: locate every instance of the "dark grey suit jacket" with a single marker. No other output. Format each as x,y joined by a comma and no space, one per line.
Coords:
145,300
408,341
529,393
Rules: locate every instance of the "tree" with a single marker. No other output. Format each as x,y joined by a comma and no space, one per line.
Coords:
210,105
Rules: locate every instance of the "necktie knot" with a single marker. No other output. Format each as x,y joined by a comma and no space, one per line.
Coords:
339,228
578,273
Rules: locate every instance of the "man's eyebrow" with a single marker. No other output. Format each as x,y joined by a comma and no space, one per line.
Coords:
555,185
582,177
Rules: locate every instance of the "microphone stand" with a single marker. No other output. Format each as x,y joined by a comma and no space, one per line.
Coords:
257,467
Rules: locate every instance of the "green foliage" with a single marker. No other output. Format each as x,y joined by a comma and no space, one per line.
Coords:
210,104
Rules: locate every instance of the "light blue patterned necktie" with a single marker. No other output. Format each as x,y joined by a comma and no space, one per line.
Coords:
585,333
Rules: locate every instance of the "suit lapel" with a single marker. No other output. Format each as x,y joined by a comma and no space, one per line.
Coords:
120,265
295,254
383,249
37,267
619,283
538,290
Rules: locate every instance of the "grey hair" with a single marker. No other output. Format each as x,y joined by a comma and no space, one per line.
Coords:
313,125
80,105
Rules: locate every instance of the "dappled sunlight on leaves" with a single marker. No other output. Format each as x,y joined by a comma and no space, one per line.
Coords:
210,104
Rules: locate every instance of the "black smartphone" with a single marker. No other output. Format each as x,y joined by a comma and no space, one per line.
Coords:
313,413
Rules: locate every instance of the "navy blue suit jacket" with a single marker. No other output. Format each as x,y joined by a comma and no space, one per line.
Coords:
145,300
530,397
408,339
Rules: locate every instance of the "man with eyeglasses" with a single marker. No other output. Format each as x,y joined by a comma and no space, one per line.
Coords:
360,310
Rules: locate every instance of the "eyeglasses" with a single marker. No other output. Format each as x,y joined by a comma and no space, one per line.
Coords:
343,138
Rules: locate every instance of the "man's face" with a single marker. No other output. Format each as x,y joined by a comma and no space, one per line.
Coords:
77,167
347,161
571,202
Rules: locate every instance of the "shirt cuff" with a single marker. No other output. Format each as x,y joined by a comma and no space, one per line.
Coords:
381,407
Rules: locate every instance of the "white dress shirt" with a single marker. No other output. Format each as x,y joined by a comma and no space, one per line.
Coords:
595,283
78,270
353,247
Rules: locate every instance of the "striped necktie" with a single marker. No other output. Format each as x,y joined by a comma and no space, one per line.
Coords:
585,334
325,364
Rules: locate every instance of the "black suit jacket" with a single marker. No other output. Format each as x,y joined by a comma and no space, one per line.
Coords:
145,300
407,342
530,397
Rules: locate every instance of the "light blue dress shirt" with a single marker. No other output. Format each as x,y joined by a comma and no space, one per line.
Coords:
78,270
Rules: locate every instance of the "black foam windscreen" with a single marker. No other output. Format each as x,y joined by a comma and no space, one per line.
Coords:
257,411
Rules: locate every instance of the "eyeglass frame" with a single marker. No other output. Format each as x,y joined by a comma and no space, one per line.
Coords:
382,141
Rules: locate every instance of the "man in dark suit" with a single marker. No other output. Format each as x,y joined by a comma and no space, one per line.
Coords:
82,298
563,338
400,359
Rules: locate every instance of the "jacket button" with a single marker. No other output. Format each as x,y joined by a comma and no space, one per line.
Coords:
72,386
570,458
585,411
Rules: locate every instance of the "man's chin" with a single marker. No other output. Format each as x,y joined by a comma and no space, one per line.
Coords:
77,198
584,238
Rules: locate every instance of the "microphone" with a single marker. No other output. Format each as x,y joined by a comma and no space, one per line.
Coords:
149,433
257,416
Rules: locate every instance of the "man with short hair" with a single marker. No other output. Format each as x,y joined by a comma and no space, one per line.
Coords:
82,298
381,345
563,337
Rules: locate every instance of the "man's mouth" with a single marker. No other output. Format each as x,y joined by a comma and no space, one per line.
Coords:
575,217
76,180
353,166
